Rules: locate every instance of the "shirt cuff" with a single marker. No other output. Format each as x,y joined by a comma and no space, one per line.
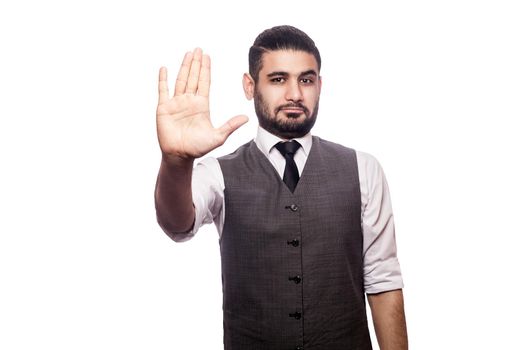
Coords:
388,279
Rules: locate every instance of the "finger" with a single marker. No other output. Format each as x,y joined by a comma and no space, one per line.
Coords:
231,125
204,77
163,85
193,78
182,77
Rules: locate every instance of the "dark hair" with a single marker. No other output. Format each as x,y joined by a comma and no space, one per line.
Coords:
280,38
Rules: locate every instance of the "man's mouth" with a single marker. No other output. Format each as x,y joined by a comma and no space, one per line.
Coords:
293,109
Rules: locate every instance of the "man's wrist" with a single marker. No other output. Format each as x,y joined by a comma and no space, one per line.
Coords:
173,161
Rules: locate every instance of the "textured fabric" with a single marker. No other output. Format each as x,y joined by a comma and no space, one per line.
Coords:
291,173
292,263
381,268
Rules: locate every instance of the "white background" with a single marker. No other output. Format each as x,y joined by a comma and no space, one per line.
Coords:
435,90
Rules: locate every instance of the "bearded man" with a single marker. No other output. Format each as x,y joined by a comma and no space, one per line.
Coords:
306,227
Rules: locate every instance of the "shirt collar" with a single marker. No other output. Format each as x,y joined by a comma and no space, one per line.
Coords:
266,140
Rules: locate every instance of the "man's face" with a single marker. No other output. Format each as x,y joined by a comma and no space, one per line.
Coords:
287,93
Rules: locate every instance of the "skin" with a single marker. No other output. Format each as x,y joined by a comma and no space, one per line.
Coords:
388,314
286,98
286,93
185,132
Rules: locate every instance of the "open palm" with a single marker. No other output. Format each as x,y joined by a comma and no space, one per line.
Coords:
184,127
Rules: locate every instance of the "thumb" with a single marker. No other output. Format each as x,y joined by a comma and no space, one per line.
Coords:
231,125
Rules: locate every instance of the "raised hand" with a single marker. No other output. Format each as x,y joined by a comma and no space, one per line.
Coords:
184,128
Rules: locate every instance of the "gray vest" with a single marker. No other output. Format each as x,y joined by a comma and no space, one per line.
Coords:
292,263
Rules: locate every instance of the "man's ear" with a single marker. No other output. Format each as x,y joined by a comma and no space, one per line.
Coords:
249,85
320,84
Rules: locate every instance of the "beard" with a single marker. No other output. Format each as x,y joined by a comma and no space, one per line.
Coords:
290,127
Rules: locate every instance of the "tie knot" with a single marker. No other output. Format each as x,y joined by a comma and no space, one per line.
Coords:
288,147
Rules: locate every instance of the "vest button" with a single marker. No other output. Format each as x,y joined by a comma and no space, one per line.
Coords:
294,207
294,242
298,348
296,279
296,315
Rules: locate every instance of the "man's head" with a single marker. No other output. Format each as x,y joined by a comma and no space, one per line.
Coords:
280,38
284,81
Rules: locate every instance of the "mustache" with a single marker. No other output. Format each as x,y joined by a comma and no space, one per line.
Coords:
293,105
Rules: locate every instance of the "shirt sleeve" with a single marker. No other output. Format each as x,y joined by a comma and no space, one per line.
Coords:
382,271
207,187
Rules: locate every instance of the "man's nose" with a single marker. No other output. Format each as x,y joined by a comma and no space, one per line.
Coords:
294,92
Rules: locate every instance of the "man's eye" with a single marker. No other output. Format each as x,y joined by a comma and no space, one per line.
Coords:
306,81
277,80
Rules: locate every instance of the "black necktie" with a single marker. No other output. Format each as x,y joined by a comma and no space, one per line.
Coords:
291,174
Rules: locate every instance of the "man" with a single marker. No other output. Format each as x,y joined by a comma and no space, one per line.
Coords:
305,225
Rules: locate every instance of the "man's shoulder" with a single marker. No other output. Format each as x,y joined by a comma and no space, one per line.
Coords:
363,158
332,146
239,152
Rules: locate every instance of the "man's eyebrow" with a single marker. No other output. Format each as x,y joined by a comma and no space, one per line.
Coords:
285,74
309,72
274,74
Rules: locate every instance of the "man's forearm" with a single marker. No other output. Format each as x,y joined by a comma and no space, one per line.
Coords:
388,313
173,199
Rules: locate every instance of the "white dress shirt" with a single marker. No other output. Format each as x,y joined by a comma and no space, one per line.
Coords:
381,267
